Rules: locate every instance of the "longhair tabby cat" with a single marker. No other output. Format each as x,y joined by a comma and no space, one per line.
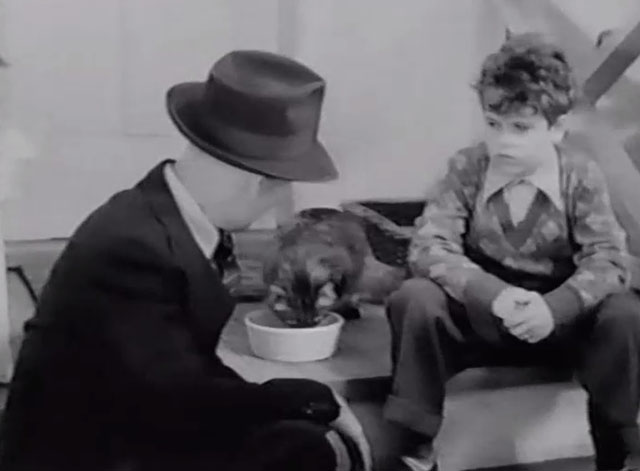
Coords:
316,267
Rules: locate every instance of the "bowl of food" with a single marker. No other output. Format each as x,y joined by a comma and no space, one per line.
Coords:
272,339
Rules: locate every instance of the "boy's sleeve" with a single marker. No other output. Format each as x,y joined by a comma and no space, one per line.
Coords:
602,260
436,250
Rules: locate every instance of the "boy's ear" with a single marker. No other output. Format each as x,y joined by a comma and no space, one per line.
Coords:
507,34
559,129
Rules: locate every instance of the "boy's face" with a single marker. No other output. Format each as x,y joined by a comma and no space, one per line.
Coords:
522,139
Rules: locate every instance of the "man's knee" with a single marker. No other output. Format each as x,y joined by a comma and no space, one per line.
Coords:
319,446
620,312
301,429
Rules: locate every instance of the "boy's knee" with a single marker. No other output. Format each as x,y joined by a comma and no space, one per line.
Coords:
620,312
417,296
418,289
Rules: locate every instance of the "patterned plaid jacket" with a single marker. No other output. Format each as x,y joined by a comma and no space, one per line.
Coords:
575,256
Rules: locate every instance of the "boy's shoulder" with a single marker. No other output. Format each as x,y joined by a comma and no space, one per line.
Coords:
577,166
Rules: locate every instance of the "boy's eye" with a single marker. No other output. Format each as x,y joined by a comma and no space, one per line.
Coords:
492,124
521,127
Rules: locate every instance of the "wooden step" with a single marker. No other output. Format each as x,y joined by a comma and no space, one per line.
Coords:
494,416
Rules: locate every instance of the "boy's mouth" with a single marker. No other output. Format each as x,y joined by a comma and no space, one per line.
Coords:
503,155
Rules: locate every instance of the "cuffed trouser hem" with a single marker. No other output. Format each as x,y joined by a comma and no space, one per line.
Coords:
412,416
343,457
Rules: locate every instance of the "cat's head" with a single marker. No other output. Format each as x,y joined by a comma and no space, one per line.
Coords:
302,292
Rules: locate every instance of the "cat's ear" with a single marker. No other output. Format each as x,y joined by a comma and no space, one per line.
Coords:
277,290
284,271
326,296
277,299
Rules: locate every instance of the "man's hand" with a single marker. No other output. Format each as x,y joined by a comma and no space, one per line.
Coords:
532,322
347,423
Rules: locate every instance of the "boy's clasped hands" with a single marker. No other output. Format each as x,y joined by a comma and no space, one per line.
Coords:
524,313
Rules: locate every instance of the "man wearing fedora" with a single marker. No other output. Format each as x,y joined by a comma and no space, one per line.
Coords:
118,369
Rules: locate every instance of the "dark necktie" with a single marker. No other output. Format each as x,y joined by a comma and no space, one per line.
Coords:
224,260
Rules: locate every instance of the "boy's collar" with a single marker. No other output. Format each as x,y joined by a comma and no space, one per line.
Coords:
546,178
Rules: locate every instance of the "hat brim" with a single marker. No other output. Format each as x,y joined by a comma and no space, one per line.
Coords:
184,108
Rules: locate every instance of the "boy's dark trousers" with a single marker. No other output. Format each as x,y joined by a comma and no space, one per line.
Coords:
434,337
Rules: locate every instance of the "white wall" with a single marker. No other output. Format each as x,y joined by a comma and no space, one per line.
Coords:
87,83
65,92
399,98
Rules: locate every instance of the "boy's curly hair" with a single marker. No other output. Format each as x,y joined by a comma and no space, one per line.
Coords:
527,71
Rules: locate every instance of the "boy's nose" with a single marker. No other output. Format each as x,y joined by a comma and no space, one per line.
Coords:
507,140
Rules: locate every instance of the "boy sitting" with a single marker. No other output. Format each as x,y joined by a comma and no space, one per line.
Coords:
519,260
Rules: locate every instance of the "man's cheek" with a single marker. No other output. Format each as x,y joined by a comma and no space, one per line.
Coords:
270,199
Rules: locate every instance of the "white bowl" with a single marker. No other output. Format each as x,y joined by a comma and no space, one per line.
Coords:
271,339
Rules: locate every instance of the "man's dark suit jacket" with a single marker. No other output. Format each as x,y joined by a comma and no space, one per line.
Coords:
119,359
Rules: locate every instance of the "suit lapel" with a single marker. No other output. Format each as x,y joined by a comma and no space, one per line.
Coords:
210,304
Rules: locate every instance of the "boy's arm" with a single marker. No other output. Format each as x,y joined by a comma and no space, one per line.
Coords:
602,261
436,251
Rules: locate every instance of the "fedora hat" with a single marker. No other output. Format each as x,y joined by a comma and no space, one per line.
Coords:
258,111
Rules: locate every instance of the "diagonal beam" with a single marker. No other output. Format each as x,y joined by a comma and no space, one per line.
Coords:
590,135
588,131
547,17
612,68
